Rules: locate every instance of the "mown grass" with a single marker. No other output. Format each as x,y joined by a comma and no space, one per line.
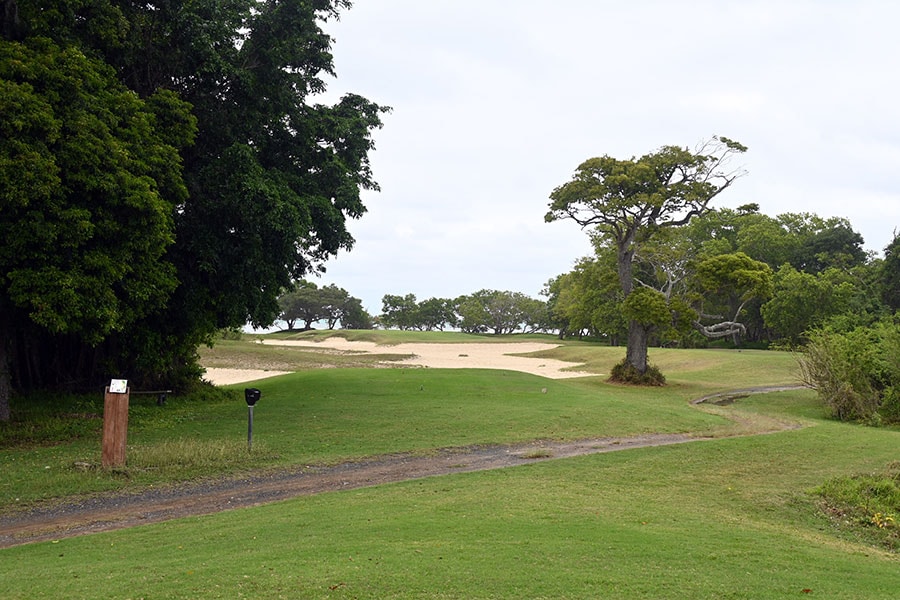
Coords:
328,416
728,518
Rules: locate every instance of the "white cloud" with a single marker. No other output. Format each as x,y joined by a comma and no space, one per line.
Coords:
496,103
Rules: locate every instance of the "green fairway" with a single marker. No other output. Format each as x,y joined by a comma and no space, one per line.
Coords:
729,517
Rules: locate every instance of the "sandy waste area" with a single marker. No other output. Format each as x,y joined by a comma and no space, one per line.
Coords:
437,356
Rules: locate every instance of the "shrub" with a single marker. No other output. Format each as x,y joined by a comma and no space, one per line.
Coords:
856,373
624,372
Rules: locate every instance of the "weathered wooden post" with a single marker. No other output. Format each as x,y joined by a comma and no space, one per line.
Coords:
115,423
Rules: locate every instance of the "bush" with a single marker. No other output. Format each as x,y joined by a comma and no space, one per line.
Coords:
624,372
856,373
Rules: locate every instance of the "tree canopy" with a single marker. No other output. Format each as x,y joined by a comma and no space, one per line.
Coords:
173,172
310,303
630,200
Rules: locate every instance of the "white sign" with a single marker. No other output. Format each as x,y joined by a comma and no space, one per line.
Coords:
118,386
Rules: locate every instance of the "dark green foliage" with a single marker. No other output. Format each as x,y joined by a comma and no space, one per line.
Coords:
630,201
89,188
856,373
499,312
890,274
310,303
624,372
164,174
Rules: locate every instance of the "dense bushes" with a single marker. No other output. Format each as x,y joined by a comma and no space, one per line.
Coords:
856,373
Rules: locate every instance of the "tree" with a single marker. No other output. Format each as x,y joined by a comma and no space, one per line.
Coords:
437,313
493,310
271,177
334,303
804,301
303,303
89,178
823,243
733,279
310,303
400,311
355,316
890,274
630,200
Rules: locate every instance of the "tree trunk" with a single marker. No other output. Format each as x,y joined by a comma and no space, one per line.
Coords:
5,377
636,354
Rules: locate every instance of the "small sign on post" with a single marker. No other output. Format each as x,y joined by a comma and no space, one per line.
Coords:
115,423
251,395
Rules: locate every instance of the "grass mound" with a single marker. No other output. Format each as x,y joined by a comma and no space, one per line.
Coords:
865,506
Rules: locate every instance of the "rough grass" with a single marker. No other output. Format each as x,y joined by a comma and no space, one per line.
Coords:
864,506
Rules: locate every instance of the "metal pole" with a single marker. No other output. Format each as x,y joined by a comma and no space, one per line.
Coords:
250,429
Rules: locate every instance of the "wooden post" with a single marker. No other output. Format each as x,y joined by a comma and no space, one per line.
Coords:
115,428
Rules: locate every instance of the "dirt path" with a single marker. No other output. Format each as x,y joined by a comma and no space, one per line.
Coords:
117,511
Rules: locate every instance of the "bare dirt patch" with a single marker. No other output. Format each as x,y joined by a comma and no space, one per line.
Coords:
117,511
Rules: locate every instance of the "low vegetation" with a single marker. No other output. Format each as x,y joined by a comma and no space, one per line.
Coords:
865,507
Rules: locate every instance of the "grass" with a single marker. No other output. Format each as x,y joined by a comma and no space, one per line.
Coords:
715,519
328,416
865,506
721,518
325,416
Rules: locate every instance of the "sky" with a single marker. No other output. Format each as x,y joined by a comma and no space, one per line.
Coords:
496,102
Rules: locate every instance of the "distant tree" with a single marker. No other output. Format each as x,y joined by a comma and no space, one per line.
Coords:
823,243
400,311
552,290
890,274
535,315
630,200
495,311
310,303
436,313
334,303
355,316
303,303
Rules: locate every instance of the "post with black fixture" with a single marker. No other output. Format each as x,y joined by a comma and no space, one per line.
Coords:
251,395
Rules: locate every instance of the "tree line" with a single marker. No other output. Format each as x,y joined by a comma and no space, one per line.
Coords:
668,269
484,311
734,274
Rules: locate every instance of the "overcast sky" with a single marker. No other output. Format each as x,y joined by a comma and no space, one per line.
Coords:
496,102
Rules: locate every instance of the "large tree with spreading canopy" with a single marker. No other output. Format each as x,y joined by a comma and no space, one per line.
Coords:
630,200
213,178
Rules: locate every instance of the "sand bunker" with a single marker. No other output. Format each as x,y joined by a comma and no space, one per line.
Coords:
437,356
230,376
